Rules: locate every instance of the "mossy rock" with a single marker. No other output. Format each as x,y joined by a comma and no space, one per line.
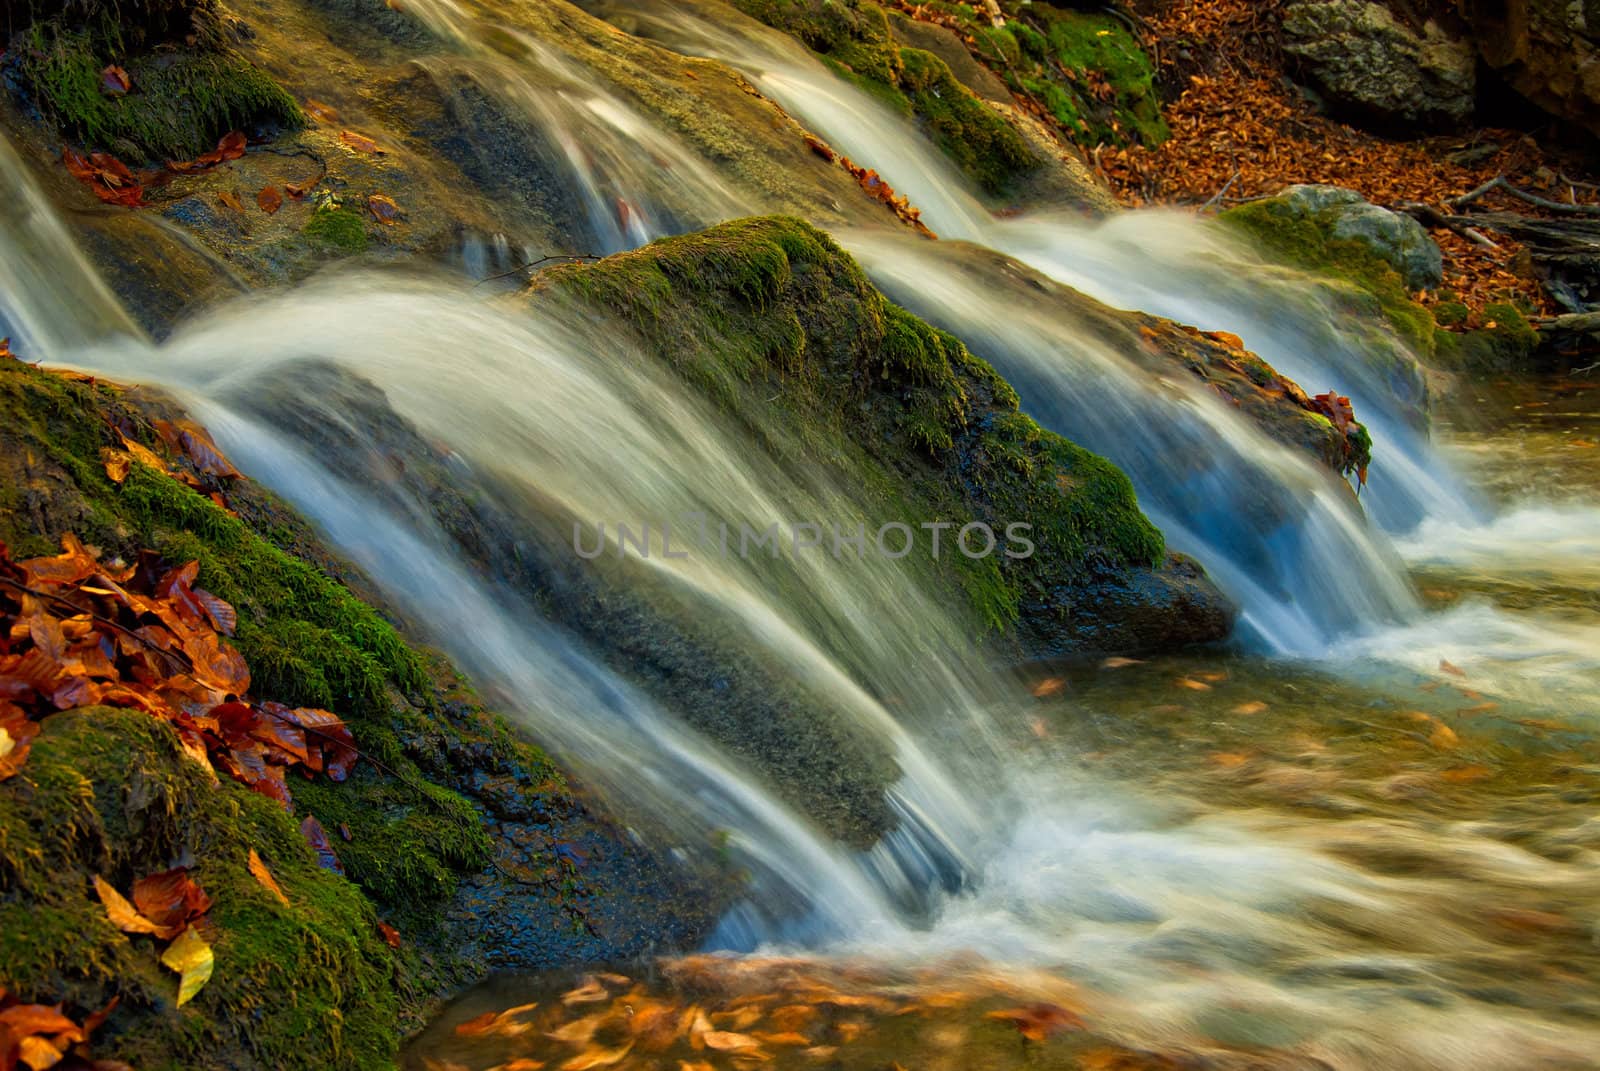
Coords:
1505,343
111,793
416,832
181,101
1368,287
775,323
854,38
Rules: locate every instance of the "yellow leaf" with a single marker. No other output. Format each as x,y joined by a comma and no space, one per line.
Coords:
117,464
264,876
6,743
38,1053
124,916
587,993
191,957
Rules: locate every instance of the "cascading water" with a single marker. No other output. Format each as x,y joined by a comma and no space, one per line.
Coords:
580,426
1244,930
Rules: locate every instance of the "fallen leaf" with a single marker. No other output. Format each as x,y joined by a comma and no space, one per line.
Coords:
321,112
124,916
1451,668
312,831
1036,1022
1253,707
117,464
231,200
361,143
259,871
1466,775
1192,684
728,1041
1118,662
391,936
383,209
191,957
590,991
170,898
1048,687
38,1054
114,81
269,200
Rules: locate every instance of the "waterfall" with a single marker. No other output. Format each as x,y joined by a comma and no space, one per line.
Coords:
581,425
51,300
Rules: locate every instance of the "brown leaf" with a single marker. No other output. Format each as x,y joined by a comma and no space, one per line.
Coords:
321,112
72,565
361,143
269,200
24,1019
259,871
1451,668
383,209
593,1058
1036,1022
391,936
312,831
231,200
114,81
170,898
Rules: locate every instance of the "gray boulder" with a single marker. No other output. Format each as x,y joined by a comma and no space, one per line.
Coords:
1398,239
1362,58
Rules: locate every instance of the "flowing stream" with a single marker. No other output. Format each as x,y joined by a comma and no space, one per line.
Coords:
1362,837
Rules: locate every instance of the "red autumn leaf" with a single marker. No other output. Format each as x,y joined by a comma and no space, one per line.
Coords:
269,199
390,935
232,145
114,81
194,442
170,898
312,830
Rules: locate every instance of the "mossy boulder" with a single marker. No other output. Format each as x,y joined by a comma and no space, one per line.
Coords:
1365,278
775,323
854,37
448,806
186,86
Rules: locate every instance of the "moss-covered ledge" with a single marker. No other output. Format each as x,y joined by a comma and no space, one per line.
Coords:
1369,287
450,827
775,323
185,85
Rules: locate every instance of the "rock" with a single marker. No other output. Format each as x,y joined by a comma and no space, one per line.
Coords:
1547,50
1397,239
1362,58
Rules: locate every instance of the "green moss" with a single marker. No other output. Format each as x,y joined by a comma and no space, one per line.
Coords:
1086,69
110,793
181,102
1374,286
342,228
1450,314
855,40
1505,346
975,136
779,326
308,640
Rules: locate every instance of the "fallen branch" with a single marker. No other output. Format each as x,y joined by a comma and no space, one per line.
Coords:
1499,183
1429,216
535,263
1220,194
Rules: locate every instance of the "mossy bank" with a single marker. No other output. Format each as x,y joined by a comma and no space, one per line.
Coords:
428,818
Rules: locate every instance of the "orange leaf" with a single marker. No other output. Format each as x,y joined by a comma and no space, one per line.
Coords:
170,898
259,870
114,81
124,916
231,200
321,112
383,209
269,200
361,143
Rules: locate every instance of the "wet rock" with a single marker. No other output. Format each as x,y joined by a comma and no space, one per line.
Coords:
1398,239
1365,60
